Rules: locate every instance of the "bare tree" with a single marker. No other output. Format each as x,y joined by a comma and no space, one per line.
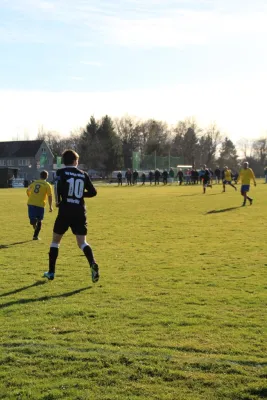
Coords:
260,150
209,144
130,133
245,147
53,139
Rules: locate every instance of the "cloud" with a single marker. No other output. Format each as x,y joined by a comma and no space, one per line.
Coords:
146,23
185,27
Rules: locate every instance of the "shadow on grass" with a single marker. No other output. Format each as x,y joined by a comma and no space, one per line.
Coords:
189,195
44,298
38,283
214,194
199,194
6,246
222,210
259,392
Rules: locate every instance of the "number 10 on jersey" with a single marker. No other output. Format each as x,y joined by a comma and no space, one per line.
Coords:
76,188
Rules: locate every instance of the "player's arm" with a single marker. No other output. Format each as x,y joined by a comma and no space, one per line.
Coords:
90,190
50,202
50,198
57,189
253,177
28,191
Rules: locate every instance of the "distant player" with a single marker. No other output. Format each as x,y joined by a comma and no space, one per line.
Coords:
211,175
150,177
245,176
119,178
180,176
38,192
71,187
128,177
165,177
205,179
194,176
171,175
135,177
143,178
217,174
157,176
227,178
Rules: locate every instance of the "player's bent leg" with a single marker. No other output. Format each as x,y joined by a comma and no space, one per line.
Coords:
32,216
88,252
244,194
33,222
85,247
37,229
250,200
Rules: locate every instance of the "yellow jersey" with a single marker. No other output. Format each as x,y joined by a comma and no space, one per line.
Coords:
228,175
245,175
38,192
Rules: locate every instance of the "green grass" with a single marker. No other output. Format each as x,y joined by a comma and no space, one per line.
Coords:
179,312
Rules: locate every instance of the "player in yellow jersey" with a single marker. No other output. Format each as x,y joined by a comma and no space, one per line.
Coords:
245,176
227,178
38,192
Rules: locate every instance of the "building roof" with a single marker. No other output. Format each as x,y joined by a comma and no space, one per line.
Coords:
20,148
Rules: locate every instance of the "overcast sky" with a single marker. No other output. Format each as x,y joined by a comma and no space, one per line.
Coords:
64,60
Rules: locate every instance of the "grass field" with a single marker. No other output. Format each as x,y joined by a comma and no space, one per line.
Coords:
178,314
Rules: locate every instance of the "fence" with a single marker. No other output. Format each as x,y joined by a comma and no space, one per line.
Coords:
152,161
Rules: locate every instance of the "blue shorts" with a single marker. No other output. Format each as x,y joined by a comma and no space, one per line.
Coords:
245,188
36,213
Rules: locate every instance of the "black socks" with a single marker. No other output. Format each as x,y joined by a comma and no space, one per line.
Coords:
53,253
88,252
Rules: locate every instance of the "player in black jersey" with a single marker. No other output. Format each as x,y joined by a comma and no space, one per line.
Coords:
71,187
206,178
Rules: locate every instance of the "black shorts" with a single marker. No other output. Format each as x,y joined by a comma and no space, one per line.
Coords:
76,221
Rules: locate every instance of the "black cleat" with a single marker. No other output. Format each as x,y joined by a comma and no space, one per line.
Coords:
49,275
95,272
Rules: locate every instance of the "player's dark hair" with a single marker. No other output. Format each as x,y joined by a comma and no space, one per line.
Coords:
43,174
69,156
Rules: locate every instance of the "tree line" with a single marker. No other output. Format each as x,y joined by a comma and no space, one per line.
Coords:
107,144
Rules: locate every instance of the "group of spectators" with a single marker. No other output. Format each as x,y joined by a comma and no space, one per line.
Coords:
132,177
189,176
